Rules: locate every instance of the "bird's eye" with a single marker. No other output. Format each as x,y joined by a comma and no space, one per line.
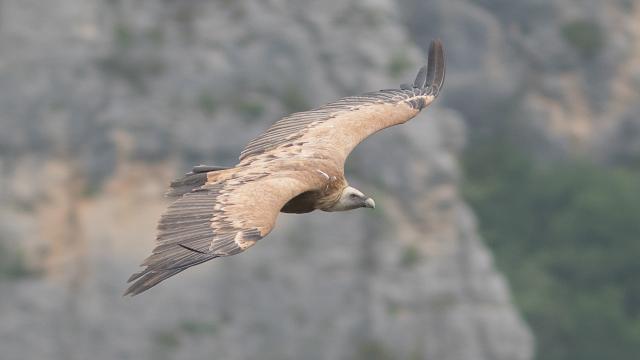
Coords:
353,196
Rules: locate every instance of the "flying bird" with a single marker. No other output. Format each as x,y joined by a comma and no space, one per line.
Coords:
296,166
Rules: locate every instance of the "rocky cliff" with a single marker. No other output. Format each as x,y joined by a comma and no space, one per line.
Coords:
562,74
104,102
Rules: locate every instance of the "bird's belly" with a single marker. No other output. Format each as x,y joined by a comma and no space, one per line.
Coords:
303,203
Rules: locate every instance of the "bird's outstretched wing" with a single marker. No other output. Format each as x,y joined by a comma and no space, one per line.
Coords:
333,130
221,218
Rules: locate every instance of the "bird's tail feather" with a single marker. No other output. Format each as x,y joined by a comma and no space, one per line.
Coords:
190,181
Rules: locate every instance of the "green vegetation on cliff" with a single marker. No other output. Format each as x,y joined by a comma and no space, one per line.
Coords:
567,235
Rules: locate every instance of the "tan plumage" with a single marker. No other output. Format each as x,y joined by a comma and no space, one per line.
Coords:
296,166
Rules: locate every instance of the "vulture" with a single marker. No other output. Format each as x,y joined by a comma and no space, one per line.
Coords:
296,166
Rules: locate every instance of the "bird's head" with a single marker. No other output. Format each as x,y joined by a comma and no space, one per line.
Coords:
352,198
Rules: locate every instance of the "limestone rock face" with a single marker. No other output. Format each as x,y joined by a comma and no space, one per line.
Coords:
104,102
566,72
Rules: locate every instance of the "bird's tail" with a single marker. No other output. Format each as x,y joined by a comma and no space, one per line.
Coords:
190,181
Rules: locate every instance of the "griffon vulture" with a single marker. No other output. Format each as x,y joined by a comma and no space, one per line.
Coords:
296,166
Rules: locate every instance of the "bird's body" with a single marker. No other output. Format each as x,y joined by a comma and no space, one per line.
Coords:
296,166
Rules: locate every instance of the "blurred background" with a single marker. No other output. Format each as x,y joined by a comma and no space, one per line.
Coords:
508,224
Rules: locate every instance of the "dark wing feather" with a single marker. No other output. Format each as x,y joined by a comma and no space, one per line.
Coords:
185,234
421,78
436,68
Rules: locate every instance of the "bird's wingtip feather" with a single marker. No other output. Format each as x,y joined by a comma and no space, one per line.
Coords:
421,78
430,76
435,66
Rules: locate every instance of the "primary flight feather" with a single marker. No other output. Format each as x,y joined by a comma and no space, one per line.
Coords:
296,166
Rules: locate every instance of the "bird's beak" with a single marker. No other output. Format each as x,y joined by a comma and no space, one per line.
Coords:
370,203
